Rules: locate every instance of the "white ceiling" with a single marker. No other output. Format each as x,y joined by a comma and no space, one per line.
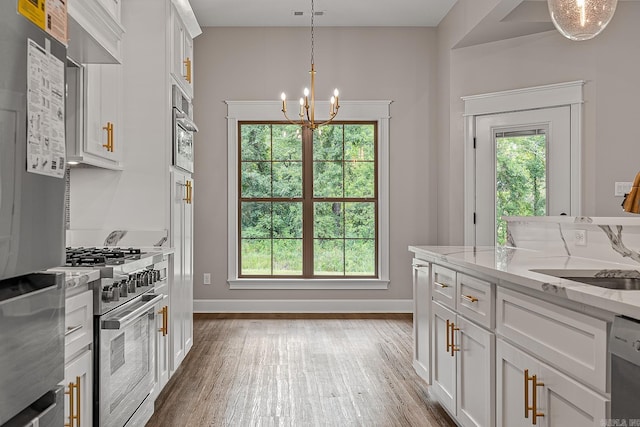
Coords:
337,13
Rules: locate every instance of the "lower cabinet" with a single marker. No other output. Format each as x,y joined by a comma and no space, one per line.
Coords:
463,356
78,382
529,392
78,357
421,320
181,288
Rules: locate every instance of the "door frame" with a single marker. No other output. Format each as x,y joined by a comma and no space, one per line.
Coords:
547,96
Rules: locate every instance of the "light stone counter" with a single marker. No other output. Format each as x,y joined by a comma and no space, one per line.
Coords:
77,276
512,266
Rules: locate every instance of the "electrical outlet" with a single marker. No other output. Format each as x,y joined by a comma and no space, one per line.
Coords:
622,188
207,278
581,237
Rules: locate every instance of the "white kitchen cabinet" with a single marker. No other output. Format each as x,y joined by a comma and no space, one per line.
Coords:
78,381
552,399
463,358
95,31
181,53
421,319
103,139
571,341
162,344
181,289
78,357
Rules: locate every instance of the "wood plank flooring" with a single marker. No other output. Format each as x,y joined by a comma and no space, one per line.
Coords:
299,370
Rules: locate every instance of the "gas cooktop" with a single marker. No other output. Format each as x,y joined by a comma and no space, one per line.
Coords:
100,257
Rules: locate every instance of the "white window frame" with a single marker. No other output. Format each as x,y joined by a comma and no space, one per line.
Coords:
547,96
270,111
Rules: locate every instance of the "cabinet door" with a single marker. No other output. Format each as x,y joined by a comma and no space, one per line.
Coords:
475,374
421,319
187,268
560,400
443,363
176,288
162,351
510,400
78,405
181,54
103,88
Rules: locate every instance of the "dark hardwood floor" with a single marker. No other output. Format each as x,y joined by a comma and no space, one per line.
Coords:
299,370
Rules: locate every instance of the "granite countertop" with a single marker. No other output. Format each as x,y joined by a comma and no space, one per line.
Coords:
514,265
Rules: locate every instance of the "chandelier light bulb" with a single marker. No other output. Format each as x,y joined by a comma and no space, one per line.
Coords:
581,19
333,100
283,96
336,93
306,91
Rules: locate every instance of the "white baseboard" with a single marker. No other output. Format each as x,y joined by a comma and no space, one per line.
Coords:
303,306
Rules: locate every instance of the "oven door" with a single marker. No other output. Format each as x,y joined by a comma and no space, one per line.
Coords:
183,132
126,359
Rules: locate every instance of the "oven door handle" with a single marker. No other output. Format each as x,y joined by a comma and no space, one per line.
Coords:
186,122
124,321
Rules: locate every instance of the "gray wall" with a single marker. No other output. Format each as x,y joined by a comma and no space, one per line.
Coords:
609,63
395,64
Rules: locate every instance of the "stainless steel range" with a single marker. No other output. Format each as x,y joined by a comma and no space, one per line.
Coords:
125,306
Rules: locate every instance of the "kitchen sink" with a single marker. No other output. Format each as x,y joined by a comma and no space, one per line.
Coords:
619,283
623,280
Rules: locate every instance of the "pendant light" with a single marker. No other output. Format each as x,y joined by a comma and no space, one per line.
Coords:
581,19
306,114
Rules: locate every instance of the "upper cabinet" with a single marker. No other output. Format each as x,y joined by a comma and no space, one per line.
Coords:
94,115
95,31
103,121
181,54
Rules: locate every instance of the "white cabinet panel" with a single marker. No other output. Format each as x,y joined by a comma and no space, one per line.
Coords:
78,323
421,319
181,54
443,368
559,400
181,289
475,374
444,286
78,382
103,121
476,300
571,341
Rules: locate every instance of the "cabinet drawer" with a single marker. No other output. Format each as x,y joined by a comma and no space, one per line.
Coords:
476,300
78,323
443,282
571,341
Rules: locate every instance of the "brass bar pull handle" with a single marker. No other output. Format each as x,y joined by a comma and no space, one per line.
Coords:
78,393
109,144
448,336
71,400
72,329
187,64
189,192
166,319
164,312
441,285
534,409
470,298
453,339
526,393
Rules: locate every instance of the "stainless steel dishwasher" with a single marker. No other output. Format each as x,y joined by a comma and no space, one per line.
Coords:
624,346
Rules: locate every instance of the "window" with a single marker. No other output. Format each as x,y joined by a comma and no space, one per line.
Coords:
308,200
308,210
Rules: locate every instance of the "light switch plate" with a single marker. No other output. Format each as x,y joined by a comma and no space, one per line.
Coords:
622,188
206,279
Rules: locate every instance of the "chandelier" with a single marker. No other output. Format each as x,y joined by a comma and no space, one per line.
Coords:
306,115
581,19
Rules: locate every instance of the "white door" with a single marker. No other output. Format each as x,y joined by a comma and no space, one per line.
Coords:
523,168
443,362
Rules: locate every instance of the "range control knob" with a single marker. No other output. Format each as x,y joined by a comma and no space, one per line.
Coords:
636,345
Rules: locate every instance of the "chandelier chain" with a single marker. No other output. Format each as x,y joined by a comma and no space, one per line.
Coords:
313,13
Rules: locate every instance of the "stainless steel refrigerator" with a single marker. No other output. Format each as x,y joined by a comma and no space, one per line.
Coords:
32,186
